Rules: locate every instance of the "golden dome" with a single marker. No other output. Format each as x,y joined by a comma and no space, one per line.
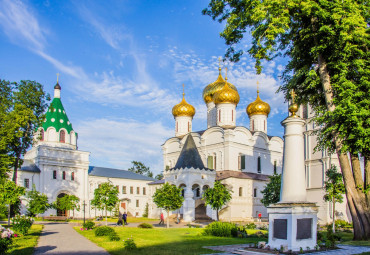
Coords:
183,108
258,107
214,87
226,95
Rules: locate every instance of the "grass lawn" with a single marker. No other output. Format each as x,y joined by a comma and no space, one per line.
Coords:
25,245
163,241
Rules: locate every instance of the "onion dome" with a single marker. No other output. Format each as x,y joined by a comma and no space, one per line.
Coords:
214,87
226,94
183,108
258,107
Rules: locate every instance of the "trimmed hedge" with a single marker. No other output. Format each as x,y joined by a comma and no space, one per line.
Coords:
145,225
104,231
223,229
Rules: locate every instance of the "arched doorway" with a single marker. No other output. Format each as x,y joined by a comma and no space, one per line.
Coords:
62,212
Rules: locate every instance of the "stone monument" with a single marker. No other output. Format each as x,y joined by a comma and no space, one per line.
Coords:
293,220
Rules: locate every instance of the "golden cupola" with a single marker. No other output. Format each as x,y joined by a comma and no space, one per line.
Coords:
258,107
211,89
226,94
183,108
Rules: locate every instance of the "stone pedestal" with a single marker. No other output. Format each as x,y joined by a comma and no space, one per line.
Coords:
189,206
293,221
292,226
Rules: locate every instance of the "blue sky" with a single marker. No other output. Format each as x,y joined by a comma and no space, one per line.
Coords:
122,64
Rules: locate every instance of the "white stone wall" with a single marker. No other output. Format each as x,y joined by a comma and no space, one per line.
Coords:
258,122
133,203
226,115
211,115
183,125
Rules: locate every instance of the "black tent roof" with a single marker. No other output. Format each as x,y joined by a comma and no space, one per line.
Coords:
189,156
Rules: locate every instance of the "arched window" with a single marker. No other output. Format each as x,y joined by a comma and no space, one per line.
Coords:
62,136
219,115
64,175
259,165
72,176
41,135
275,167
253,125
240,191
54,174
188,126
255,192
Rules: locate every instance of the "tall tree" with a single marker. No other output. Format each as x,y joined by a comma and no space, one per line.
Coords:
217,197
169,198
67,203
271,193
327,46
334,189
22,113
37,202
105,198
10,194
140,168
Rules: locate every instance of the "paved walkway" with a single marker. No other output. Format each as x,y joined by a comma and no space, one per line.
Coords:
62,239
239,249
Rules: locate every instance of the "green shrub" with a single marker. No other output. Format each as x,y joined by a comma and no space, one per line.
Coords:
129,244
21,224
6,240
104,231
342,224
88,225
224,229
319,236
145,225
251,226
114,237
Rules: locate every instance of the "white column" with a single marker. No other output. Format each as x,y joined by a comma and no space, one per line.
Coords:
183,125
56,93
189,205
293,187
211,115
226,115
258,122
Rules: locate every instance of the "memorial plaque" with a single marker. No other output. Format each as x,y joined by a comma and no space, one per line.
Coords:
304,228
280,228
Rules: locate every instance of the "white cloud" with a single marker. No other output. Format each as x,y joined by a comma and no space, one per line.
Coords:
119,141
20,24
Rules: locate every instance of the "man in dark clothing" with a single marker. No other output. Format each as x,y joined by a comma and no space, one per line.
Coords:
119,222
124,217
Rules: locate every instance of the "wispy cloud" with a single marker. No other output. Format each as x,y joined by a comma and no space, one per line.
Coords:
119,141
19,23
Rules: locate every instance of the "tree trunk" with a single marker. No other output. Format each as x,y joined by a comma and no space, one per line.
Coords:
357,203
168,218
333,214
367,179
15,174
356,168
216,214
9,215
106,217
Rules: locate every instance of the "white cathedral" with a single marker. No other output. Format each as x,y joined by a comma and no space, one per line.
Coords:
241,158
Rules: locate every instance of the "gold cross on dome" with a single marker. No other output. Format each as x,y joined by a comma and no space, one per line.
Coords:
219,62
57,77
183,89
225,73
293,94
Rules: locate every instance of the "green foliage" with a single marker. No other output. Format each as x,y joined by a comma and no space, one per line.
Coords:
223,229
168,197
105,197
103,231
37,202
217,197
251,226
129,244
22,108
159,176
67,202
271,193
88,225
146,211
10,192
140,168
334,187
21,224
114,237
343,224
145,225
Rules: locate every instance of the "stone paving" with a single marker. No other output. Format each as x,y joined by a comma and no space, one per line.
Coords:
239,249
62,239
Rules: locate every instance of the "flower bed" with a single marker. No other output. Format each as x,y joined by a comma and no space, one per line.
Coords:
6,240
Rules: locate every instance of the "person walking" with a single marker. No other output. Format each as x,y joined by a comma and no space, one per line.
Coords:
120,222
124,217
162,219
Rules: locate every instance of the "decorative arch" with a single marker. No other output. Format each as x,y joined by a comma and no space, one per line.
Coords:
62,136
